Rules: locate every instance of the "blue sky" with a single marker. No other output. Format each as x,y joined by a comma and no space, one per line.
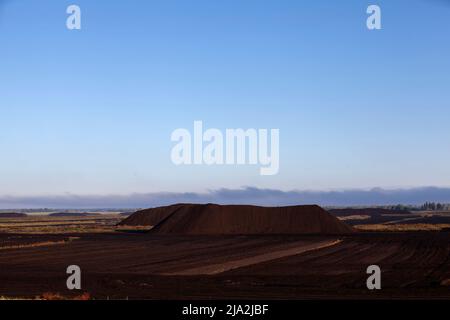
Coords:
91,112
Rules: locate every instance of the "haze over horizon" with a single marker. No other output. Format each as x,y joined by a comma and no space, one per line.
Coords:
88,114
245,195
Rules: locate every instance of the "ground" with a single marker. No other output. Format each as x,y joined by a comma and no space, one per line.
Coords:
136,265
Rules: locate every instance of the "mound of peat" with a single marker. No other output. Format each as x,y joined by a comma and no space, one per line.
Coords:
12,215
365,212
73,214
212,219
149,217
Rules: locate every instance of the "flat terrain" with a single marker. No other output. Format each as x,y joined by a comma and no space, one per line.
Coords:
45,224
376,220
135,265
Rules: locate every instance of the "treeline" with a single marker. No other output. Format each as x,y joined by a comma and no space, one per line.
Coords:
401,207
427,206
433,206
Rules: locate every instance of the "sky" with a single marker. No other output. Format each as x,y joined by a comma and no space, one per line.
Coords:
90,112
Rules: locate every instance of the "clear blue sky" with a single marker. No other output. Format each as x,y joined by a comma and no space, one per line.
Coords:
91,111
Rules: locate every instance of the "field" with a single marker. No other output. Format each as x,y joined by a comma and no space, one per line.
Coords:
415,221
43,224
121,264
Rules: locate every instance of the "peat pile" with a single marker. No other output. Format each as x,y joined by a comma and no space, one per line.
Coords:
73,214
212,219
365,212
12,215
150,217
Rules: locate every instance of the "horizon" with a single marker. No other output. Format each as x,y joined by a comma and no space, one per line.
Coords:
246,196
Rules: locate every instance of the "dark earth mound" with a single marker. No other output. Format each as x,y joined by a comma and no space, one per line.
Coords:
73,214
212,219
365,211
12,215
149,217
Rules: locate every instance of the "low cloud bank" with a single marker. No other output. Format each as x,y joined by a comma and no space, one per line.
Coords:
248,195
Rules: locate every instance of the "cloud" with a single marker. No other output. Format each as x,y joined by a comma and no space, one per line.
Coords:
247,195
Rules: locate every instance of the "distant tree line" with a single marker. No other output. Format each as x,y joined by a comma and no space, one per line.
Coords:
427,206
401,207
433,206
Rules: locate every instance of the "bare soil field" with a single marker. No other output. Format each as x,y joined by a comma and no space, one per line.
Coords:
47,224
403,227
372,219
120,265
